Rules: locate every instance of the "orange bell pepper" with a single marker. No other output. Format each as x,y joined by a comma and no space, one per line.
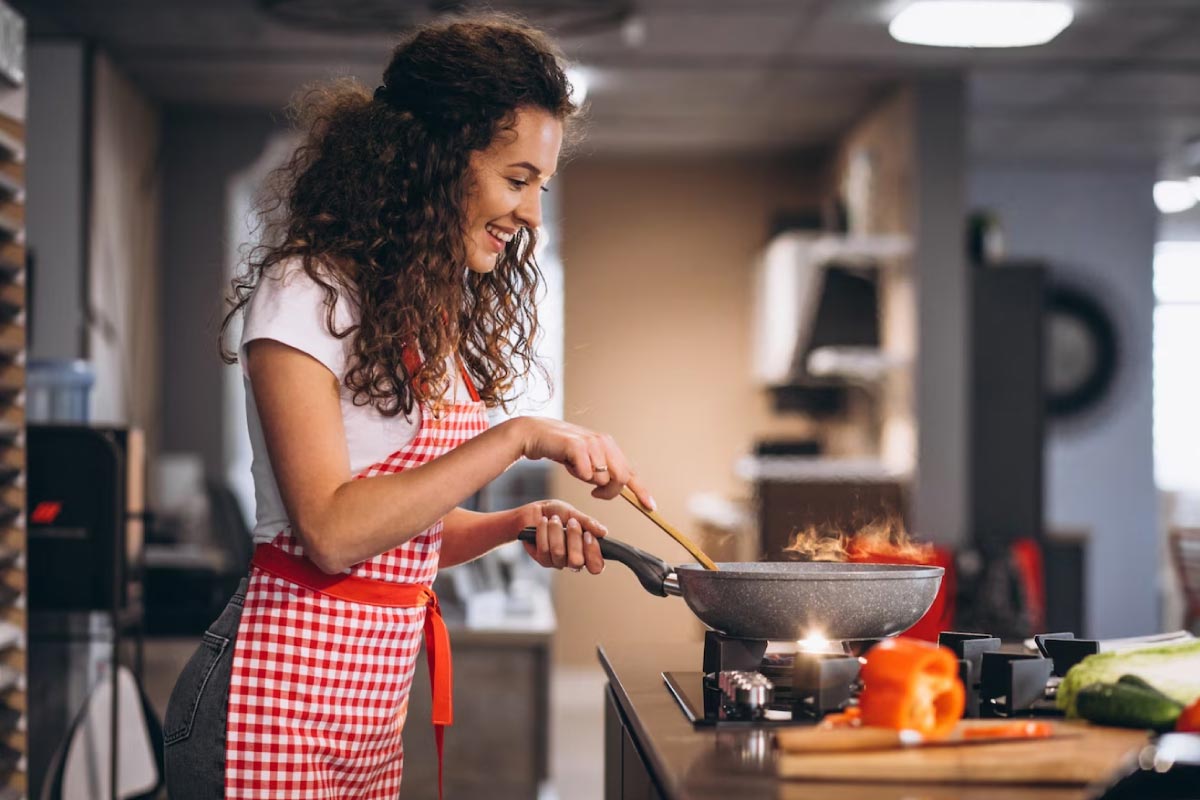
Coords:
911,685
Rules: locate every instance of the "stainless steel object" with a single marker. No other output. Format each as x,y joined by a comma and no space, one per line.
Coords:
787,600
748,693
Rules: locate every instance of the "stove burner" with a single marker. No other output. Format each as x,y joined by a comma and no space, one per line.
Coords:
970,649
824,682
704,703
744,684
747,693
725,652
1001,684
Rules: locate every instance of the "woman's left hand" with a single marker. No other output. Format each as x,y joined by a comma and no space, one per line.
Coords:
566,537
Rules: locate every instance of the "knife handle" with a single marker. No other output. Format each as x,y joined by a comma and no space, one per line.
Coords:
837,740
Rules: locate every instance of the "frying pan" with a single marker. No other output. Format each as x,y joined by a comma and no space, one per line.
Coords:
786,600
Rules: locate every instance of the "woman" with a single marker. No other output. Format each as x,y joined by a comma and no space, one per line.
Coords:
395,304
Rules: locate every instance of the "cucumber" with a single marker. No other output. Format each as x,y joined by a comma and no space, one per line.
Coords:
1140,682
1128,703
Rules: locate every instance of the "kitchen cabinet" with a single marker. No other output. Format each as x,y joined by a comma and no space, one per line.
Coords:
626,774
499,743
799,303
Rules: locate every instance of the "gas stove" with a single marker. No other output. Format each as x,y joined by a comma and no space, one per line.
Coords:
749,682
752,682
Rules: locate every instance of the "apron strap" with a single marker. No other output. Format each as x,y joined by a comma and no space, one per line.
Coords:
302,572
466,376
412,362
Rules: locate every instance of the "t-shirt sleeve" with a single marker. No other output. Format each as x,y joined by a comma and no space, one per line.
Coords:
289,307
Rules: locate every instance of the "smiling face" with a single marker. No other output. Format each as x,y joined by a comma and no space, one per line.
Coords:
508,179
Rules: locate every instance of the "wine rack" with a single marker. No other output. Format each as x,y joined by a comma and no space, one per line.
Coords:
13,464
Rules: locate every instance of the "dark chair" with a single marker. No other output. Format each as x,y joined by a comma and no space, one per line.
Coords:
1185,553
185,593
229,527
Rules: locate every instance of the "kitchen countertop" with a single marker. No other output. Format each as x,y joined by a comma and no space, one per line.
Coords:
691,763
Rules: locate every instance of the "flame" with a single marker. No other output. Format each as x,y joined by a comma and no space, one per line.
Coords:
814,642
882,540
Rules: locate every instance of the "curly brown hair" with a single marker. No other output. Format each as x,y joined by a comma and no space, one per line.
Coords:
372,204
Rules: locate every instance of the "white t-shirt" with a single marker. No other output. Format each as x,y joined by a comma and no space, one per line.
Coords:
289,307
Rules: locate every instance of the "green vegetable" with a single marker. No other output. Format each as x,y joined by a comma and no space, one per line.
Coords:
1172,669
1140,683
1128,704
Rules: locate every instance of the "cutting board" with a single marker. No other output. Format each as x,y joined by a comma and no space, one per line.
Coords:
1078,754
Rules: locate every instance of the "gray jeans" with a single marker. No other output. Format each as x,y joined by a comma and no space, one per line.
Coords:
194,726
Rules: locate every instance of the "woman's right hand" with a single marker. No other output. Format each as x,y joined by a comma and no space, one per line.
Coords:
589,456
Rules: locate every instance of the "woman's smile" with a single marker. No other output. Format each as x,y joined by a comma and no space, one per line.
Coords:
498,237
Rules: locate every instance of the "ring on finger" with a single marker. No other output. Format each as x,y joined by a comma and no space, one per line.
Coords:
600,468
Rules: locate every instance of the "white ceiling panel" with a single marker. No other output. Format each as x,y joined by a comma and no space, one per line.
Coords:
747,33
1145,89
1123,80
1009,89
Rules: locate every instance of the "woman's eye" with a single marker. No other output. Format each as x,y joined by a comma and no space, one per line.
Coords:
517,183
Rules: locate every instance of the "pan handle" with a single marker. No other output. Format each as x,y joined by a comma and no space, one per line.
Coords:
651,571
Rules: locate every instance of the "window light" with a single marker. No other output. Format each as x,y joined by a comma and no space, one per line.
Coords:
980,23
580,80
1171,197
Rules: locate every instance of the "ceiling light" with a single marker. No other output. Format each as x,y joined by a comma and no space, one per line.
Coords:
980,23
1171,197
633,32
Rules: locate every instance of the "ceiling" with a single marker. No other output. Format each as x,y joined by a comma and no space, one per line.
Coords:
1122,84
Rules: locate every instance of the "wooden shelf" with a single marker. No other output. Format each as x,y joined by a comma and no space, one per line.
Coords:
12,226
12,261
17,785
12,147
12,299
14,578
13,538
14,698
12,380
15,615
11,417
12,341
12,189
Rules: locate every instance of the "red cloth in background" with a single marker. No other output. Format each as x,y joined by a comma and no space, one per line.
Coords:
1027,557
940,616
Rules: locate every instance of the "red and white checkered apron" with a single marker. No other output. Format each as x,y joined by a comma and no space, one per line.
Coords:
319,690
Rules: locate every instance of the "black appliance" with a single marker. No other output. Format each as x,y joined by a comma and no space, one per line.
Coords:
84,521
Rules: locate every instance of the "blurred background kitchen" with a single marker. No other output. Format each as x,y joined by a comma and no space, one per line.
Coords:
806,273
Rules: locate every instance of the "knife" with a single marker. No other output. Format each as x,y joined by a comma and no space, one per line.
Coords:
837,740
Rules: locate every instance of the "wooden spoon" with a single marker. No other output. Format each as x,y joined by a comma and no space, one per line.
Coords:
687,543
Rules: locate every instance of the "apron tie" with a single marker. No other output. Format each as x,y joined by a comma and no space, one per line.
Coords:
441,676
302,572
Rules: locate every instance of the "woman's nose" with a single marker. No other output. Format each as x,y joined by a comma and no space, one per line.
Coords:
529,212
